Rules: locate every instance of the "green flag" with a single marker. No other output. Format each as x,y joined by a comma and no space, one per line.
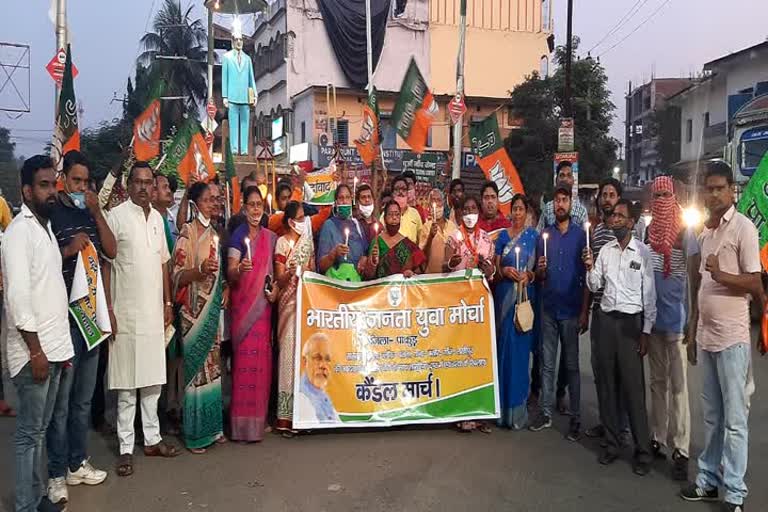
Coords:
415,110
754,204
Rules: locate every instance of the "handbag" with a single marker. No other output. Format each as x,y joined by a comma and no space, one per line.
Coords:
523,310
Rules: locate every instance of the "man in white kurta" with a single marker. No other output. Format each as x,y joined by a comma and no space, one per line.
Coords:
141,306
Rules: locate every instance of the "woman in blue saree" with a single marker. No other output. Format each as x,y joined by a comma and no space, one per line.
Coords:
514,347
342,244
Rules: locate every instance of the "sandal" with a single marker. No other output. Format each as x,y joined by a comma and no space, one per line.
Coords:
161,449
484,428
197,451
125,465
465,427
222,440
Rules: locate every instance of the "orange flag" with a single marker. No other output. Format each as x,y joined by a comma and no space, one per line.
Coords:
197,161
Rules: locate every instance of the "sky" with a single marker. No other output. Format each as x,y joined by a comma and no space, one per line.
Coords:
677,41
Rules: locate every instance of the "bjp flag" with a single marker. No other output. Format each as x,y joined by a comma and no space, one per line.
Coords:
415,110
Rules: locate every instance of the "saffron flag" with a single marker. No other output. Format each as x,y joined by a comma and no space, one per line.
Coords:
488,147
66,134
188,154
146,127
234,183
415,109
754,204
368,143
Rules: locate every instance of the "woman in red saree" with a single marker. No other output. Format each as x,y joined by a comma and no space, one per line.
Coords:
249,265
390,252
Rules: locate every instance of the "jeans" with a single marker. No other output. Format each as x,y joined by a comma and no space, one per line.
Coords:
566,333
724,400
36,402
67,436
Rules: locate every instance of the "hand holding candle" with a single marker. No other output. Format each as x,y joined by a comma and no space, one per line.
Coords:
586,228
517,258
216,247
545,236
248,248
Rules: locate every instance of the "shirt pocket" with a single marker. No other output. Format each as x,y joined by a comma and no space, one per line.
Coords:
634,276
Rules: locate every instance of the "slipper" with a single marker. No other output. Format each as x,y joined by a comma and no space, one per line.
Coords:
222,440
161,449
485,428
197,451
125,465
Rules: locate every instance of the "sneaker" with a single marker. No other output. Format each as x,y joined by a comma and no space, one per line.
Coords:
574,432
541,422
45,505
656,451
86,474
679,466
730,507
596,431
57,490
695,493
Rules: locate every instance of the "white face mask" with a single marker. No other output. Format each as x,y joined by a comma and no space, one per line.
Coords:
470,220
205,222
299,227
366,210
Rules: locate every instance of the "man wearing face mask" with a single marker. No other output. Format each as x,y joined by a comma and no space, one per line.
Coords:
624,270
410,220
365,207
76,221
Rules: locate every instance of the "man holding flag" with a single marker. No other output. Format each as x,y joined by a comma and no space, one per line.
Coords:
82,234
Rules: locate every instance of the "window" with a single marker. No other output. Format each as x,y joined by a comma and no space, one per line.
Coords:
689,130
429,137
303,131
544,66
342,132
546,10
706,120
388,133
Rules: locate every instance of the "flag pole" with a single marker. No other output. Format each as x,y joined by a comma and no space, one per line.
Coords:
457,128
61,42
369,56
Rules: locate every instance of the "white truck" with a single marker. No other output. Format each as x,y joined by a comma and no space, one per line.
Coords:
748,139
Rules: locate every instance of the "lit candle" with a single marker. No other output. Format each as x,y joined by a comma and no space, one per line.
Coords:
545,236
269,203
434,211
216,247
248,247
517,257
298,270
354,189
346,236
376,228
586,228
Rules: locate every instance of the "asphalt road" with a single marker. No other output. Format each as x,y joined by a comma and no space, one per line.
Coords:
405,469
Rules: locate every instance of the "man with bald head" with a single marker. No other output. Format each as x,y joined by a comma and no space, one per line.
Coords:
313,401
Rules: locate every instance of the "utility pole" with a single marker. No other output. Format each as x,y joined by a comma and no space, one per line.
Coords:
61,42
457,128
568,61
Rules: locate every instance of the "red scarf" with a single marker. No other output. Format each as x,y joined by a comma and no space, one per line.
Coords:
665,224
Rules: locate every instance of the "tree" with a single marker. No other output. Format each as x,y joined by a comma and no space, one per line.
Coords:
175,34
9,170
101,145
539,102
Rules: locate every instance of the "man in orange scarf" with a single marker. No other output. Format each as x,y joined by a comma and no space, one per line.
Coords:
673,250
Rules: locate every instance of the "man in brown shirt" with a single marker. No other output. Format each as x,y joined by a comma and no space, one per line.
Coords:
728,274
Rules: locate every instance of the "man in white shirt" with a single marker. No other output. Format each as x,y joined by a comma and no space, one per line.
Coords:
36,327
624,269
141,298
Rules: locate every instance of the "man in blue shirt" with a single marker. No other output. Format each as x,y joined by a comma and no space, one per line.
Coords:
561,273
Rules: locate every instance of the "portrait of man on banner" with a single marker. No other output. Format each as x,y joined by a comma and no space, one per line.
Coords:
312,400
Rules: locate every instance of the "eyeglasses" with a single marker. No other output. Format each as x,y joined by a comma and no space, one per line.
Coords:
616,215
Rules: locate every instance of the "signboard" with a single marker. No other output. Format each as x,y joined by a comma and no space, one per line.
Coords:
427,166
457,108
55,67
573,158
565,135
394,351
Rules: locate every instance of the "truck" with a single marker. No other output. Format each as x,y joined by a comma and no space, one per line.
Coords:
747,138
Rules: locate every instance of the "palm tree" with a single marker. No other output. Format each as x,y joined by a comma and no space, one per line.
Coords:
176,34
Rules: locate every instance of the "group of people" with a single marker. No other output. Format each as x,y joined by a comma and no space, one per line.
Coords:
190,296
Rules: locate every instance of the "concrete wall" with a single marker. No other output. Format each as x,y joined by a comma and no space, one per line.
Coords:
314,63
505,42
272,87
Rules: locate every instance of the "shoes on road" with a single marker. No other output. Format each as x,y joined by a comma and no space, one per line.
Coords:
86,474
656,450
695,493
641,468
541,422
596,431
57,490
574,432
46,506
731,507
679,466
607,458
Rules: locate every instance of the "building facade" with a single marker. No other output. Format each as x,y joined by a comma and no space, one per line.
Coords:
300,81
646,105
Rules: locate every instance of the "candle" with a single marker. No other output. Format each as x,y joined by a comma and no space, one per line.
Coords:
346,236
269,202
434,211
545,236
298,271
354,189
248,246
376,228
517,257
216,247
586,228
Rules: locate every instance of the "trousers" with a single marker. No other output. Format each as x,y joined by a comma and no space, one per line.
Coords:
239,124
670,411
566,334
126,413
619,366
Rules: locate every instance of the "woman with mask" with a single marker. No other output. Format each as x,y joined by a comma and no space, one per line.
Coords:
470,247
198,285
253,291
342,243
392,253
294,250
514,347
435,233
